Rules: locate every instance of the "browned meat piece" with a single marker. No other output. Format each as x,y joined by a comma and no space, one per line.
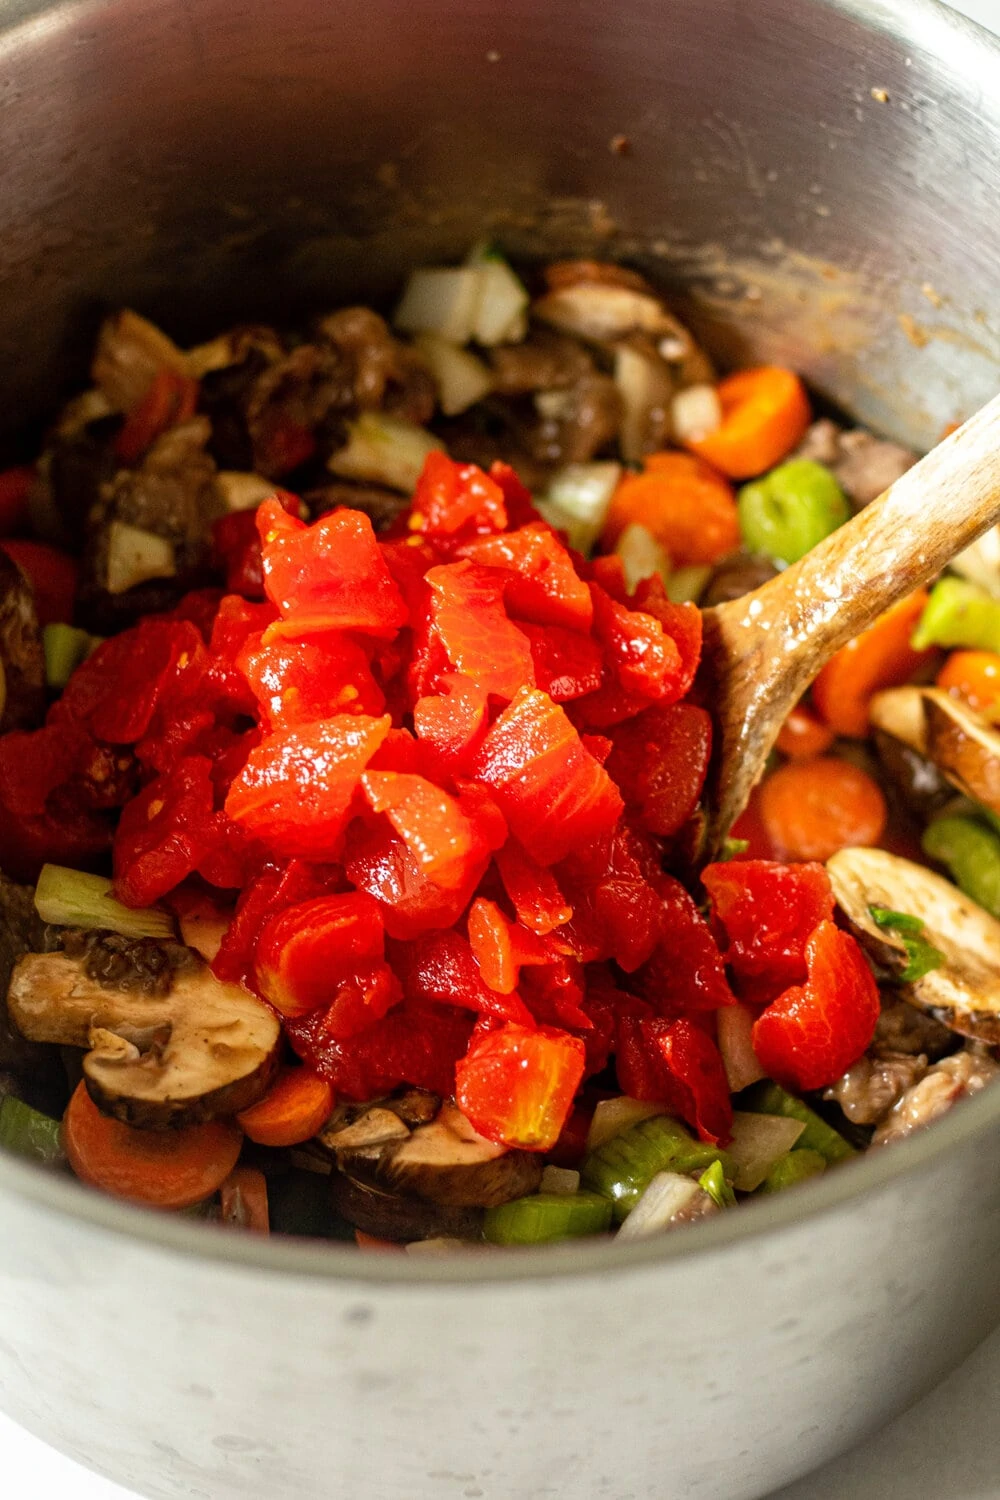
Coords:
22,662
383,506
916,781
902,1028
72,473
736,576
300,391
864,464
546,361
869,1089
821,443
225,390
173,493
385,374
577,423
953,1078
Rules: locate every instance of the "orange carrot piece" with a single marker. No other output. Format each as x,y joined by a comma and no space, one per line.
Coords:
880,657
297,1107
765,412
812,808
243,1199
372,1242
974,676
802,734
687,506
161,1168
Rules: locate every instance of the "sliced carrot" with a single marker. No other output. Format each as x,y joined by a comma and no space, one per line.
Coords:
171,399
974,676
372,1242
812,808
880,657
765,412
52,575
243,1200
802,734
688,507
15,487
162,1168
299,1105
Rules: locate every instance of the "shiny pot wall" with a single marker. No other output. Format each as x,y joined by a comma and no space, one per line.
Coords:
818,183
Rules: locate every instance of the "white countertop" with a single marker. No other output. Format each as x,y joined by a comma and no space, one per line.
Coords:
947,1447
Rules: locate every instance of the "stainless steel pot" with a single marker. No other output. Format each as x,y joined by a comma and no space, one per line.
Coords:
818,182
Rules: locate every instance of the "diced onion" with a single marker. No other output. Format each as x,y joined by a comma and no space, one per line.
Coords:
686,585
612,1116
561,1180
735,1033
578,499
442,300
667,1195
134,556
641,555
695,412
646,387
384,450
758,1142
461,378
502,312
243,491
980,563
130,353
71,898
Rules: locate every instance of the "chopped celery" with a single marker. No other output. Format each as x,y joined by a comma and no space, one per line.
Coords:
686,585
134,556
641,555
733,849
786,512
622,1167
758,1142
384,450
959,613
28,1133
543,1218
796,1166
65,648
70,898
767,1098
713,1182
971,854
921,956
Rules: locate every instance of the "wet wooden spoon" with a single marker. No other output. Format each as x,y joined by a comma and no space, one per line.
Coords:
763,650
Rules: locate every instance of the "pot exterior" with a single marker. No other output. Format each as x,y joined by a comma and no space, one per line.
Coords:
719,1375
212,162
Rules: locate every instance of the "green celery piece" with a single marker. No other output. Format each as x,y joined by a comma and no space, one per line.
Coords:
544,1218
797,1165
72,898
767,1098
29,1133
65,648
733,849
922,957
713,1182
959,613
624,1166
971,854
785,513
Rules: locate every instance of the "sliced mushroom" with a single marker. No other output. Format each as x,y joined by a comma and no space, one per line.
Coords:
22,661
964,993
202,1050
587,301
444,1161
957,740
391,1216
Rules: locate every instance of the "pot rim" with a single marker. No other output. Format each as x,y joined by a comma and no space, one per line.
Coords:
972,54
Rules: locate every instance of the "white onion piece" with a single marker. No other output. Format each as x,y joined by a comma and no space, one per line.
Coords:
561,1180
461,378
578,499
667,1195
735,1033
686,585
695,412
612,1116
980,563
384,450
501,316
442,300
134,556
758,1142
646,387
641,555
243,491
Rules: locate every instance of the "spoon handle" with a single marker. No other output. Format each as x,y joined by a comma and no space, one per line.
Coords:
763,650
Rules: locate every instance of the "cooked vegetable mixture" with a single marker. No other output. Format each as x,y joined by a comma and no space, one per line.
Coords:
349,782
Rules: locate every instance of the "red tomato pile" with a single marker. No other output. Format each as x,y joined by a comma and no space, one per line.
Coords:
441,771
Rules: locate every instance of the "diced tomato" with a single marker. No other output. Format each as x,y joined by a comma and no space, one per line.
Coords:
695,1062
516,1086
34,762
660,761
451,496
812,1033
533,890
296,790
552,793
451,724
416,1045
467,617
268,892
378,861
306,951
117,691
441,967
312,677
643,658
517,498
79,839
686,971
541,584
431,824
768,912
328,576
500,946
567,665
408,559
162,832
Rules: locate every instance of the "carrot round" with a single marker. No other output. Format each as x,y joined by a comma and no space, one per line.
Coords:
243,1200
812,808
299,1105
765,412
162,1168
688,507
802,734
974,676
880,657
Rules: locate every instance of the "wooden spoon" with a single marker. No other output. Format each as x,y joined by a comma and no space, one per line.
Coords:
762,651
